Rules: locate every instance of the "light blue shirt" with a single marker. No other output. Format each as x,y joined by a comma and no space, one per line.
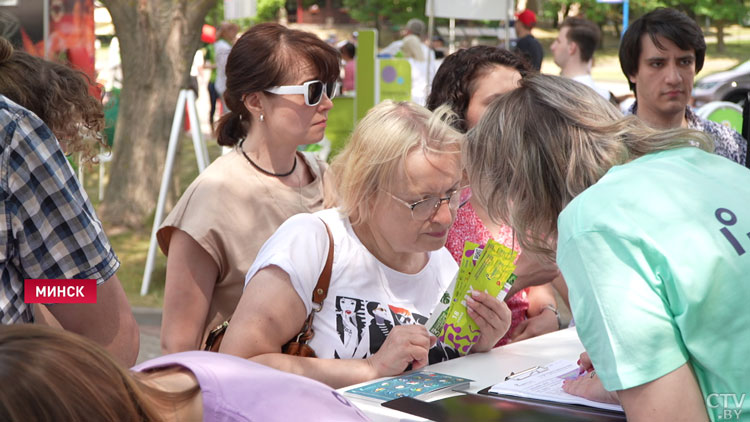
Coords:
657,258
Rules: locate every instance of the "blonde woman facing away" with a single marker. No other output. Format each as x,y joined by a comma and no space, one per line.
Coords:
650,235
399,184
467,81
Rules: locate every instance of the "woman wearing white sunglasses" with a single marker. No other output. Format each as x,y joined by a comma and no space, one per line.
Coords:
279,88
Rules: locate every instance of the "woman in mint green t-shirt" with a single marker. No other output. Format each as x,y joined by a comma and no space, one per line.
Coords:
651,239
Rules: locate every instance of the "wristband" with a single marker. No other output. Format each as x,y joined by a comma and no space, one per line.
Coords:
557,314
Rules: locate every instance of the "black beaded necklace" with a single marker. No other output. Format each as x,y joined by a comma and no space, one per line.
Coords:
264,171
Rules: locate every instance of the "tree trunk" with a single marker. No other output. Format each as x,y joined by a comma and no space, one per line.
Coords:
720,46
533,5
158,39
618,31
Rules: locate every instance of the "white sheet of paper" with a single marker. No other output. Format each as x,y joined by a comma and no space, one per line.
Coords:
545,383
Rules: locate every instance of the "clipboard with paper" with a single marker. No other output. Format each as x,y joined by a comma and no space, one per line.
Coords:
544,383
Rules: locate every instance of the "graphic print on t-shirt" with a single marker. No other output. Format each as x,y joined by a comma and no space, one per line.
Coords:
350,318
362,325
380,325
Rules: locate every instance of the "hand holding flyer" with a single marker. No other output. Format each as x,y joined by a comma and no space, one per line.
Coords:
492,273
436,323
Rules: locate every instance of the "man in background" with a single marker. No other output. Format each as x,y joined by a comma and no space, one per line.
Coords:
660,54
573,51
348,52
225,38
413,27
528,46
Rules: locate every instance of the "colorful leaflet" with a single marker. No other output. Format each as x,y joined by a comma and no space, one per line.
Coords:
436,323
492,273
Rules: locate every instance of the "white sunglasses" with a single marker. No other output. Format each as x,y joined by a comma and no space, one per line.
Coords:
312,90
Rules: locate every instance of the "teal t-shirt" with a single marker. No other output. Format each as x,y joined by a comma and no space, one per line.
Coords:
657,259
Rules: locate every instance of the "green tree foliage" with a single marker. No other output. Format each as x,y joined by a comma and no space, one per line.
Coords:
268,9
267,12
720,12
384,13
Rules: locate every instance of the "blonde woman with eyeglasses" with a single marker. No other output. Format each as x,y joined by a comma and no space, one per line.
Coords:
650,234
280,83
399,184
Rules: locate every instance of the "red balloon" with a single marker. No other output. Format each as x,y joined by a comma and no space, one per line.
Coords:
208,34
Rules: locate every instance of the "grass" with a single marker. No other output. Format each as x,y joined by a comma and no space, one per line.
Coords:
132,246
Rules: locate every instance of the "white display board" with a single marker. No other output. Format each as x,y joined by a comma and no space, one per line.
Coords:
469,9
238,9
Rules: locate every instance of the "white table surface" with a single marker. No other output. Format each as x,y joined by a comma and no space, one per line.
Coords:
487,368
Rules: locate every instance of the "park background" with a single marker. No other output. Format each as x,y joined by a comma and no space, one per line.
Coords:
130,234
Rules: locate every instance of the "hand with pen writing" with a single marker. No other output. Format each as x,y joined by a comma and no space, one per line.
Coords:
405,345
588,385
491,315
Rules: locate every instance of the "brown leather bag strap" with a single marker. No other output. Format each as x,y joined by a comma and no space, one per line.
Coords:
321,289
319,293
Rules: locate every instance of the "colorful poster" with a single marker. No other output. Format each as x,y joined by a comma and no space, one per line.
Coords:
22,22
395,80
70,38
71,33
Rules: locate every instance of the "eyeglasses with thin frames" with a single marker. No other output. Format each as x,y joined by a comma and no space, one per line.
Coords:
426,208
312,90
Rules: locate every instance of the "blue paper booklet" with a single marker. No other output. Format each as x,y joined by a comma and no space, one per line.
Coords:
416,384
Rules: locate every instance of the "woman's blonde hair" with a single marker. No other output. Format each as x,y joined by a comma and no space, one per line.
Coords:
378,148
539,146
52,375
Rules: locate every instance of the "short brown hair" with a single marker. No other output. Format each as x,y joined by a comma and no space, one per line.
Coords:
268,55
584,33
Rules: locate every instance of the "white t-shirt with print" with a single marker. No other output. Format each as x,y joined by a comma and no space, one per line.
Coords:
366,298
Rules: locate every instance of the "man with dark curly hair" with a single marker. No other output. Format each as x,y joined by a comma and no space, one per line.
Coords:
50,229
